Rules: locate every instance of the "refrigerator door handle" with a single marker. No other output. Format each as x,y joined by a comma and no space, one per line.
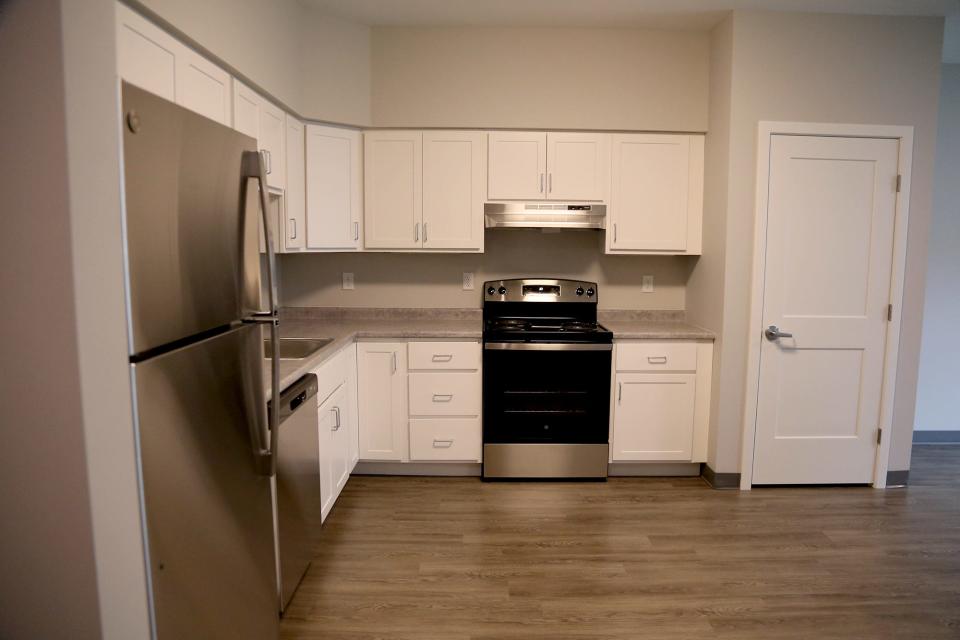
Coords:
254,166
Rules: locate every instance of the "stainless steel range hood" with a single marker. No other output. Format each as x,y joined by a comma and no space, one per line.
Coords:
537,215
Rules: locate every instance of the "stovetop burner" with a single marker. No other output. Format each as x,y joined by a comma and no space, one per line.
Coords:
542,324
541,310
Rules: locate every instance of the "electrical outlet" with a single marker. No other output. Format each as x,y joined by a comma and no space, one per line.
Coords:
646,284
347,283
468,280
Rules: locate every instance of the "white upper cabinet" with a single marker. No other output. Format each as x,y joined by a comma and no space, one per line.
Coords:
392,189
258,118
295,233
334,188
153,60
517,165
453,177
423,190
578,166
531,165
656,195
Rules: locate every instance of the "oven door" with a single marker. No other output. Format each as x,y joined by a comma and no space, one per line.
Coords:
540,393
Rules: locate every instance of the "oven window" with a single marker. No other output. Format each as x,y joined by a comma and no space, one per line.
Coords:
546,396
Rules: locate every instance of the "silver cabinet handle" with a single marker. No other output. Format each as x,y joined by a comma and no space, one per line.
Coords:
424,232
442,357
356,230
266,154
619,392
773,333
657,359
393,363
541,183
442,444
442,397
614,231
336,413
294,221
416,232
550,182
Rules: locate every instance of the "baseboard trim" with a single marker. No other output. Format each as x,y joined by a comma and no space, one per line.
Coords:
936,437
898,478
468,469
653,469
720,480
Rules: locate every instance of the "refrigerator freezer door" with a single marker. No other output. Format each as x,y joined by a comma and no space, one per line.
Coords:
191,225
200,417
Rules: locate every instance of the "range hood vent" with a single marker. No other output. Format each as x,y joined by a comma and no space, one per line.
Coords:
538,215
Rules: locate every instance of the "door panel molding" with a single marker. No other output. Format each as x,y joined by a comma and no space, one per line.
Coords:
766,131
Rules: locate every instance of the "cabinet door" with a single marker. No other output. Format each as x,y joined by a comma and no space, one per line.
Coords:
382,400
653,416
453,190
334,188
577,166
272,130
516,165
353,420
656,193
203,87
295,196
393,189
326,425
340,466
246,111
146,55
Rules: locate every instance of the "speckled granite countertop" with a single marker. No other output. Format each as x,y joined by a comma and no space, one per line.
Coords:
345,326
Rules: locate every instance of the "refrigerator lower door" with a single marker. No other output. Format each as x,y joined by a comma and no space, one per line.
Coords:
207,499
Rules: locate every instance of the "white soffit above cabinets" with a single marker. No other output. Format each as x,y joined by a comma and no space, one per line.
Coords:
656,14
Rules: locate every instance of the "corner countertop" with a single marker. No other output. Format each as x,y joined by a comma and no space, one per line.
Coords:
345,326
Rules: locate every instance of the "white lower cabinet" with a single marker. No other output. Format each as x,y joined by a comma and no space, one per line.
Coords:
661,401
382,399
337,420
427,412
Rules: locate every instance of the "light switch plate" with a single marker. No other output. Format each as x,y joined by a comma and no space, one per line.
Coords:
468,280
347,283
646,284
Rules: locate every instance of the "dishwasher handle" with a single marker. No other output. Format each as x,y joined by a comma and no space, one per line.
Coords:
294,396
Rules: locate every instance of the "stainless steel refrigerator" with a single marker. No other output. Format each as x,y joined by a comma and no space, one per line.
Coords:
195,194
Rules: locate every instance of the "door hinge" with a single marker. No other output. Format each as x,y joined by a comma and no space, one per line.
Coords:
899,182
889,313
879,433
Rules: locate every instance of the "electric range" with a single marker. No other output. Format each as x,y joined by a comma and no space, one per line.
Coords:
546,380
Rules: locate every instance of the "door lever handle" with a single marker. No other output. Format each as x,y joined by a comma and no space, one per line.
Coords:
773,333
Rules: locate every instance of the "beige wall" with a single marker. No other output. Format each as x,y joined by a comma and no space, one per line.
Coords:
938,406
705,288
418,280
825,68
316,65
548,78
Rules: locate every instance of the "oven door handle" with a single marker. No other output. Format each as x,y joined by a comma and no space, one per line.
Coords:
547,346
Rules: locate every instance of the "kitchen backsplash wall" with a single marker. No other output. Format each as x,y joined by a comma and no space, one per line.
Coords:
435,280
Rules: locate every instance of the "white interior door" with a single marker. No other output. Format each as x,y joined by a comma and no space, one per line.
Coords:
830,221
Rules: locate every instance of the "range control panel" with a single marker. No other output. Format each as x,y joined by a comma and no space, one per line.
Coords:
539,290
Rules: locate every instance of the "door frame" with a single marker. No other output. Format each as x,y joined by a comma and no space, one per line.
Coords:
765,131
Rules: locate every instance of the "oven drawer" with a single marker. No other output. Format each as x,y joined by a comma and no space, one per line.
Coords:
445,439
657,356
444,394
444,355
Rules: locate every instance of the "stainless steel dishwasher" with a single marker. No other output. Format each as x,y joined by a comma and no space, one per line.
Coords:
297,487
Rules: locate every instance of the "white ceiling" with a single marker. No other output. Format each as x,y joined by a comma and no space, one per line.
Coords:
660,14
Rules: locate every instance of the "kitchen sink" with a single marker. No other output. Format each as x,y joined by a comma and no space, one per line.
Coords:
296,348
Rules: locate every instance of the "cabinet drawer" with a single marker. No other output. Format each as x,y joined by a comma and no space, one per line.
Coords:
657,356
444,394
444,355
445,439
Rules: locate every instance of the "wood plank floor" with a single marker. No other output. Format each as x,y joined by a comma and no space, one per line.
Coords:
457,559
